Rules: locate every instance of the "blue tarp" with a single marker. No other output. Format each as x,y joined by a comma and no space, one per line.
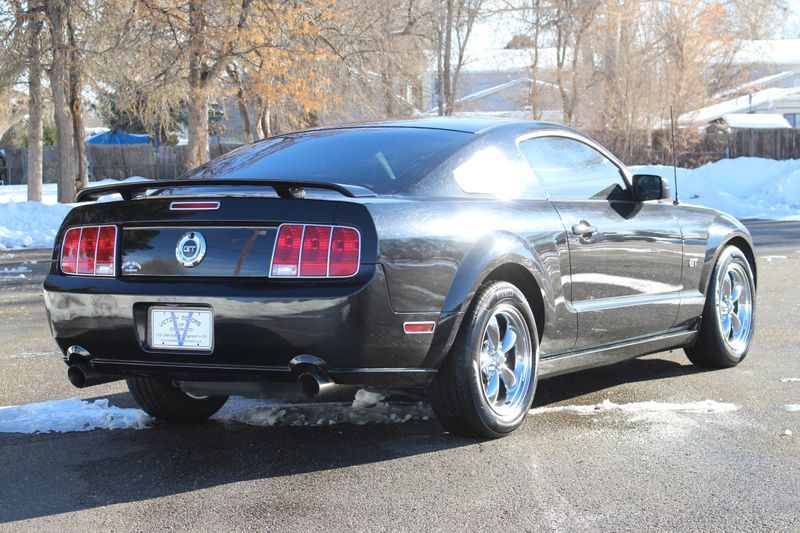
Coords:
118,137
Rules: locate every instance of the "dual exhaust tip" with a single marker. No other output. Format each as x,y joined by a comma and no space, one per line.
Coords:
311,383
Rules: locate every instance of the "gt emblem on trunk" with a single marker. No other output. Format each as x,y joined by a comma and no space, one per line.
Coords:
191,249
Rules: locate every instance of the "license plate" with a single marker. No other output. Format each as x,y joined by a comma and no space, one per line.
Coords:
181,328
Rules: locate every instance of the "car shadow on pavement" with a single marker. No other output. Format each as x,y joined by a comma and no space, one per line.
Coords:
49,474
574,385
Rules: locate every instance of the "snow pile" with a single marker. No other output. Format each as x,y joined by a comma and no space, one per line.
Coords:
19,193
792,407
607,406
26,224
790,380
367,408
365,398
746,187
72,414
30,224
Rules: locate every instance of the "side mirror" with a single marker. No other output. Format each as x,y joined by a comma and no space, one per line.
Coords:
650,187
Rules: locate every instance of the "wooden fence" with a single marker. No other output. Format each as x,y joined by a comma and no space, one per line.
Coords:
772,144
110,161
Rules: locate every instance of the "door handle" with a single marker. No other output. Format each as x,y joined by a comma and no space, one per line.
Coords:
583,228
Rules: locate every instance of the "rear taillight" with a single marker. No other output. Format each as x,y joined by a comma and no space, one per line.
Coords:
315,251
69,252
89,251
345,252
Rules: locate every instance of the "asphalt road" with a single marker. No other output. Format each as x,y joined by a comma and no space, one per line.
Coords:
609,471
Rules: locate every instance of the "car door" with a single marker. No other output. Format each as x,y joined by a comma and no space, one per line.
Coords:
625,256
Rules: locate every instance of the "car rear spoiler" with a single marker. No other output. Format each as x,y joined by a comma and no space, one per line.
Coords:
284,189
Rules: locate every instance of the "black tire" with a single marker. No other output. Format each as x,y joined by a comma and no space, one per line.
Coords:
162,399
457,394
713,348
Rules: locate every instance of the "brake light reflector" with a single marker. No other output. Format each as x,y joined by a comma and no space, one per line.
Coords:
89,251
315,251
287,250
345,251
193,206
106,250
316,245
69,252
415,328
86,250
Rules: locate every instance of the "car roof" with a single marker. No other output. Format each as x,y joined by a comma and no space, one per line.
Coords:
466,124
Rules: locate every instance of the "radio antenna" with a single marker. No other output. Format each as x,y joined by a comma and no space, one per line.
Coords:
674,157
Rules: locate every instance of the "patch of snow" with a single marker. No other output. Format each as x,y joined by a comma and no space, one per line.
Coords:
15,270
786,433
771,258
26,224
30,224
365,398
11,256
792,407
606,406
72,414
30,353
746,187
790,380
19,193
257,413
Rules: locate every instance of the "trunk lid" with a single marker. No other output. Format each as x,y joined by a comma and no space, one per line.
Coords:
237,239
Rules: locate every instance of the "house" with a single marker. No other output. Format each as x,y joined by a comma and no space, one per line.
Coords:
774,101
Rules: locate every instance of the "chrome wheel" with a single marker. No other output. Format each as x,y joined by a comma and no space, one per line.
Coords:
734,303
506,361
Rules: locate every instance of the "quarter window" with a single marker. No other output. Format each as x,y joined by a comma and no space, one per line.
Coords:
571,170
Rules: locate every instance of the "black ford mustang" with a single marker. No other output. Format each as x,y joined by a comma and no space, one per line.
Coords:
464,257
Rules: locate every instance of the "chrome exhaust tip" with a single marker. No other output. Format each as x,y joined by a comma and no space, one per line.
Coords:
312,384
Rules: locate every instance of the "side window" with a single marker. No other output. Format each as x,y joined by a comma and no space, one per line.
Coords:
492,170
572,170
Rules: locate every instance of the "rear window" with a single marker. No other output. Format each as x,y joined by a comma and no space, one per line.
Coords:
381,159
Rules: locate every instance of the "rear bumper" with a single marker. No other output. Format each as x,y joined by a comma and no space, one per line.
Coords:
259,328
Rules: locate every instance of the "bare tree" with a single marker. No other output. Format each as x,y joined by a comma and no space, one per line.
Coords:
455,21
69,181
35,107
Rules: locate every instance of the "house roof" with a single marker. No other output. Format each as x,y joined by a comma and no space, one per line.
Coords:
757,121
759,83
736,105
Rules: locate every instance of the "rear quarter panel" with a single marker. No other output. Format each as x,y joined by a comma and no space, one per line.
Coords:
436,252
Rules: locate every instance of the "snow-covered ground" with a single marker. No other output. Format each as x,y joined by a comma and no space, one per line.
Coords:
607,406
746,187
72,414
26,224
